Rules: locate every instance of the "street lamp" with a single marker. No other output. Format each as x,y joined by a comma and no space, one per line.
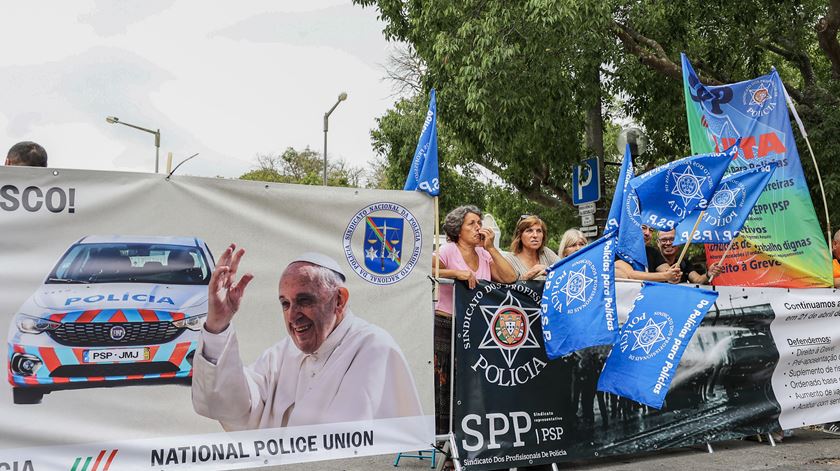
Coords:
634,136
341,97
115,120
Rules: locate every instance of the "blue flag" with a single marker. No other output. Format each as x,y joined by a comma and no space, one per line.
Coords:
644,360
626,217
667,194
728,209
578,301
423,174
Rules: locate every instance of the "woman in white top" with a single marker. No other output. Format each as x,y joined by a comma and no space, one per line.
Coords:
528,254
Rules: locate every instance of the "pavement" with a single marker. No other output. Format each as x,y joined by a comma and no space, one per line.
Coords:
806,450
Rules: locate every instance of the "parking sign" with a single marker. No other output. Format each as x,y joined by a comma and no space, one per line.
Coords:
586,182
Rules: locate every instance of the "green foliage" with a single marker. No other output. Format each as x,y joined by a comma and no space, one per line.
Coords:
519,83
304,167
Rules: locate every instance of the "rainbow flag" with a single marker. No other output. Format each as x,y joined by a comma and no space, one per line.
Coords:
781,243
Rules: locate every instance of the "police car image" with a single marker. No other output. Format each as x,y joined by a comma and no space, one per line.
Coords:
115,310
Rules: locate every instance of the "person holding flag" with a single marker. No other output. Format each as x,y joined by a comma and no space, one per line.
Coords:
688,273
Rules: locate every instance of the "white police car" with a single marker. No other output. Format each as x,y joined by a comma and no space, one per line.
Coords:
115,310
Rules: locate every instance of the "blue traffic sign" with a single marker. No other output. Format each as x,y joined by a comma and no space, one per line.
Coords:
586,182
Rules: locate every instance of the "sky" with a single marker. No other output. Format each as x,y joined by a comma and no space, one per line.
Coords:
228,80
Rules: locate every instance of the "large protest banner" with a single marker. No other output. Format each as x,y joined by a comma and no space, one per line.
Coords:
103,290
781,243
760,360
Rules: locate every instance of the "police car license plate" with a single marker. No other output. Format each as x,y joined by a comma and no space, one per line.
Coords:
116,355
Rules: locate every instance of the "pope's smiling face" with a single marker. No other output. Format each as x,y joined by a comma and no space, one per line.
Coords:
311,310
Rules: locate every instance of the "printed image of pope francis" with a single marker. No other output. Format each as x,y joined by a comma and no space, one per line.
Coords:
333,366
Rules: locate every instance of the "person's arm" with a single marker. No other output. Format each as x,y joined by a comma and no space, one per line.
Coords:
624,270
837,282
500,269
464,275
703,279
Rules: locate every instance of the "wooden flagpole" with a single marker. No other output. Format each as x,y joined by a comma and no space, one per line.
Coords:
720,262
691,237
436,249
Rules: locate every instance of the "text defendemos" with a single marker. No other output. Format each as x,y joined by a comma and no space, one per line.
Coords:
806,381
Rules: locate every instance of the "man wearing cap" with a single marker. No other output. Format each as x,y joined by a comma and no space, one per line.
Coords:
333,366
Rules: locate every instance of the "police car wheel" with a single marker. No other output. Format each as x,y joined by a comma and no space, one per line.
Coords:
27,396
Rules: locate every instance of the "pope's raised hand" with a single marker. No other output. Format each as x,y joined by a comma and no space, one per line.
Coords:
225,292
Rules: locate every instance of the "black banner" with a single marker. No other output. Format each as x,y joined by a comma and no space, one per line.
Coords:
514,407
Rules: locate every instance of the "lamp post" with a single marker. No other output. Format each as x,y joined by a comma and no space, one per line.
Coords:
115,120
634,136
341,97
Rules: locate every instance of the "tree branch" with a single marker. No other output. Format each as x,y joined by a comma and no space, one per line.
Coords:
800,59
827,28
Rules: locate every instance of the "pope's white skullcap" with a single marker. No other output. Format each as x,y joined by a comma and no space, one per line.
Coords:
321,260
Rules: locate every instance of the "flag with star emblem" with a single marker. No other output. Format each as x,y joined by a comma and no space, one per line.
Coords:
644,359
667,194
423,174
626,218
728,209
578,300
756,112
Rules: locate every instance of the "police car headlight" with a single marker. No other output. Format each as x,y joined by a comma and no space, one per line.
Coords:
192,322
34,325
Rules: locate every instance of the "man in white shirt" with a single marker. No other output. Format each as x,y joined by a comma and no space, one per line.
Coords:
333,367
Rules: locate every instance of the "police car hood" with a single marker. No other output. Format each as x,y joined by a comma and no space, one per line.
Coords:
83,297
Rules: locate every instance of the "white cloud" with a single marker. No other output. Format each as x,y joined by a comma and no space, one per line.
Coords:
217,78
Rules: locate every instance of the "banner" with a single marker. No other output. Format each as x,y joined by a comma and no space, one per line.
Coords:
771,251
104,294
761,359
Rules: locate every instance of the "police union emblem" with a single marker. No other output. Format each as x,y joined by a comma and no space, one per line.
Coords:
382,243
687,182
760,97
646,335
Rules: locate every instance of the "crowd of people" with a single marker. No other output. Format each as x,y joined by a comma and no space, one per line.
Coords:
470,255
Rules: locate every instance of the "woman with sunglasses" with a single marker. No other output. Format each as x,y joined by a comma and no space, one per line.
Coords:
528,254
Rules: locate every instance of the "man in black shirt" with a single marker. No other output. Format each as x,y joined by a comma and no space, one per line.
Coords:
670,252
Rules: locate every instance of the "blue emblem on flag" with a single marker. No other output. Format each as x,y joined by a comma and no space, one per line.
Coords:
625,216
644,360
578,302
729,207
383,244
667,194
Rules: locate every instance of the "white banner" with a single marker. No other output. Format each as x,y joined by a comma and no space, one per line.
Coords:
103,288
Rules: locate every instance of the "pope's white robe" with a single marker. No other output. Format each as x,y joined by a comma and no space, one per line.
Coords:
359,373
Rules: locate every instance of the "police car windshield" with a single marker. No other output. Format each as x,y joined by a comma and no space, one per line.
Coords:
131,263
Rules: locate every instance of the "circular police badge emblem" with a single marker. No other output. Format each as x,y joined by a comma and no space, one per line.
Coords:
382,243
646,335
686,181
510,327
760,97
575,287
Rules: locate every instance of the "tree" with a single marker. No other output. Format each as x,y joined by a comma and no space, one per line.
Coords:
528,88
304,167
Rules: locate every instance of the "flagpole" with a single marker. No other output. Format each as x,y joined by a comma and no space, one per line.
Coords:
688,243
816,167
436,249
720,262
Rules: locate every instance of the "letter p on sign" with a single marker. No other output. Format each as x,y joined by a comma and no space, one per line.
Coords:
586,182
